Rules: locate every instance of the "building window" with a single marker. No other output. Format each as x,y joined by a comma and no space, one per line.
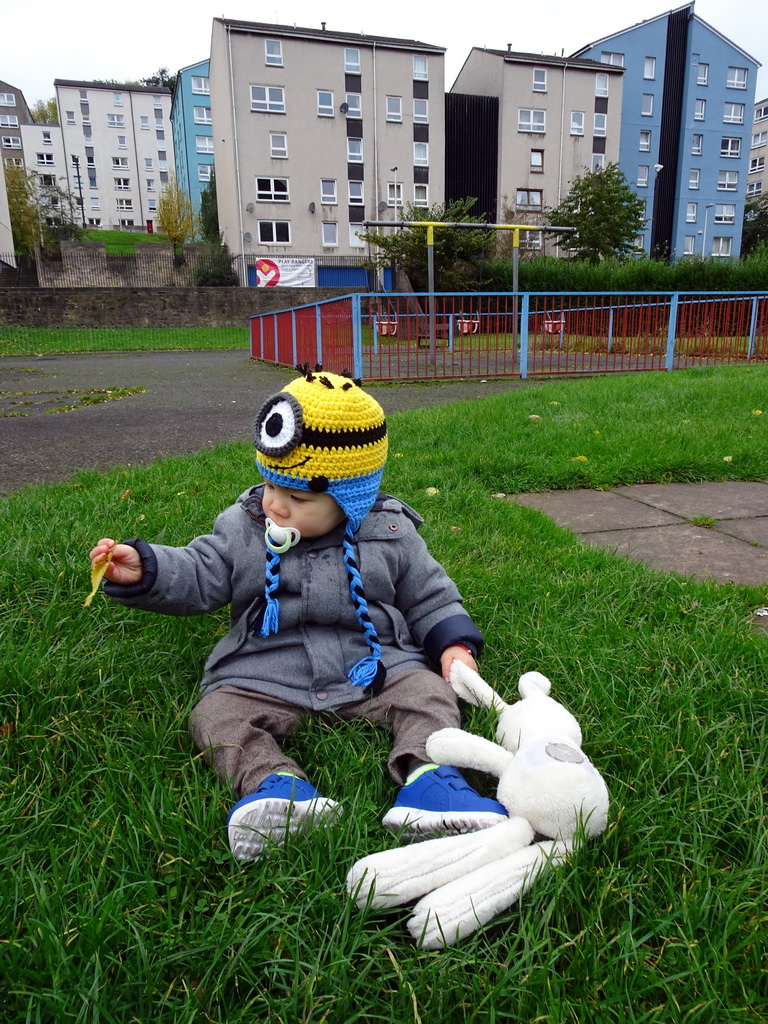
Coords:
725,213
157,103
601,84
355,193
421,195
702,74
394,108
754,188
354,151
201,86
149,163
122,142
761,113
273,53
95,203
733,113
354,105
204,172
328,192
736,78
536,165
11,121
531,240
268,98
721,246
203,144
691,212
116,120
649,68
118,99
118,162
600,124
274,232
598,161
693,177
647,109
756,164
689,243
13,161
352,61
355,241
727,181
759,139
529,198
699,110
539,79
330,233
44,159
124,204
394,193
642,177
612,58
730,147
144,123
420,68
91,181
152,205
126,224
272,190
278,145
150,184
577,122
202,115
7,99
122,184
421,111
531,120
645,142
420,154
697,145
324,103
162,165
70,115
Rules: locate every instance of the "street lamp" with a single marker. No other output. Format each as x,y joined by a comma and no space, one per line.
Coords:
394,171
707,208
76,162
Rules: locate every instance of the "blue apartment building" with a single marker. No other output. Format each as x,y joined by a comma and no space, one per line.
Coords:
686,129
193,130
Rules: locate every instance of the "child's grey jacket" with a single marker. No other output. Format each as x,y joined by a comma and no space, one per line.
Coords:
414,605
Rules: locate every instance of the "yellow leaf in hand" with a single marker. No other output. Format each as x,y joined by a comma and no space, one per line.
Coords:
98,569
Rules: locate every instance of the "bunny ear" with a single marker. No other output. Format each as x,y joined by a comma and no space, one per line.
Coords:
468,685
461,907
533,684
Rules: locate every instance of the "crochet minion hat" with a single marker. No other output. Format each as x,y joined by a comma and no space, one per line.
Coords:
323,433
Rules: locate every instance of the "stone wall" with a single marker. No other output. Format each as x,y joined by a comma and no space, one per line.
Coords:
149,307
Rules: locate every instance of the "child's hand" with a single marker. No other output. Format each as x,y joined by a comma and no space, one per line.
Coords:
455,653
125,566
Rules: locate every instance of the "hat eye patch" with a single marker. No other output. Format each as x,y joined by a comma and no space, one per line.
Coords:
280,425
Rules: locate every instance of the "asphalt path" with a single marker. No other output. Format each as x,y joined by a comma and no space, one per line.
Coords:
192,401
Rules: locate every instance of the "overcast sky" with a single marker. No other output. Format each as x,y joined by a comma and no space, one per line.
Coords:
46,39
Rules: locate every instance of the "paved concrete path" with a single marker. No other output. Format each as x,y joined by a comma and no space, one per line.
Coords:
653,523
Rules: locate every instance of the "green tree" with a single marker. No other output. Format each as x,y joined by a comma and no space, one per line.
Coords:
606,213
176,216
456,250
209,211
161,77
755,230
45,111
42,212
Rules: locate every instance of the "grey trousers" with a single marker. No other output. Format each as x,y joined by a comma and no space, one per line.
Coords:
239,731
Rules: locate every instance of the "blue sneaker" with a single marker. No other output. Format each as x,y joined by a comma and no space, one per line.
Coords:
281,805
439,802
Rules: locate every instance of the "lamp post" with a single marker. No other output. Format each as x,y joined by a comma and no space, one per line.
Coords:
707,208
76,162
394,196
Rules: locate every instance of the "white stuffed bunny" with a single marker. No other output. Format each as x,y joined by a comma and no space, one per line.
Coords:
547,785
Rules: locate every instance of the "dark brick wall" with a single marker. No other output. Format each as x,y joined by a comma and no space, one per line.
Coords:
149,307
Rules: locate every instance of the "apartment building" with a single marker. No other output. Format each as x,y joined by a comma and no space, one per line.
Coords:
14,112
521,127
688,95
193,129
7,260
757,178
118,150
317,131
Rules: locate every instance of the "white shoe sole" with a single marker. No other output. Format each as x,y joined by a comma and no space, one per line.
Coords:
270,820
430,824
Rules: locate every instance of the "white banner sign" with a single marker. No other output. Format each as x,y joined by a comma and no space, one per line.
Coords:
285,271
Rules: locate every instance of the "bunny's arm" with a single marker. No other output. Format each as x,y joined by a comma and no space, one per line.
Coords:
462,906
393,877
468,685
464,750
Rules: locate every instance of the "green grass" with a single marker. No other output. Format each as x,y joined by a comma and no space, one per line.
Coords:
120,901
122,243
15,341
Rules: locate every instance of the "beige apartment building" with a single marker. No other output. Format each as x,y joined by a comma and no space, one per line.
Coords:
317,131
757,179
558,117
118,149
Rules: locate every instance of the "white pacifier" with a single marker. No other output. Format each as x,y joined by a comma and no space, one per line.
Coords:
280,538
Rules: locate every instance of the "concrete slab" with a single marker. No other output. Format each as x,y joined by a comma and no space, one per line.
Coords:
587,511
753,531
726,499
689,551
